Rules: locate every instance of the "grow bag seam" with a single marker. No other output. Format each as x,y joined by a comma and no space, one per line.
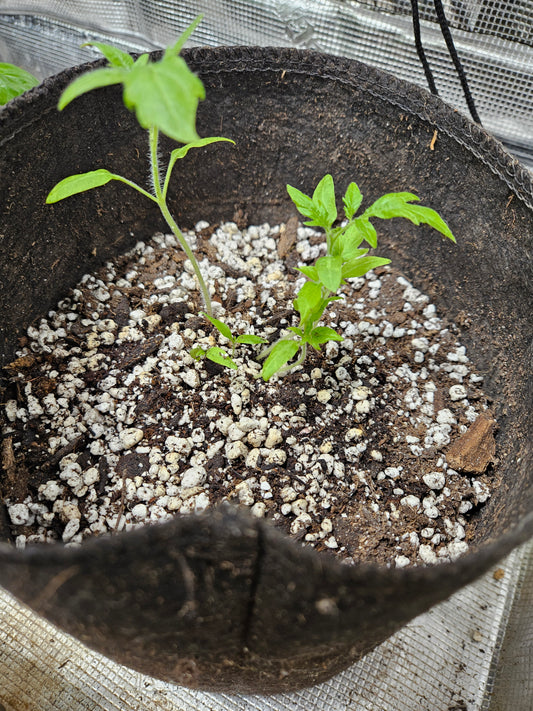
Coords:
254,587
26,125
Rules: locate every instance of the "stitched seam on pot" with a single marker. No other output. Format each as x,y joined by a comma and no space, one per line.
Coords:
494,156
247,640
26,125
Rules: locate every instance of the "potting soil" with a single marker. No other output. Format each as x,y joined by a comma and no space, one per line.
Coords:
379,447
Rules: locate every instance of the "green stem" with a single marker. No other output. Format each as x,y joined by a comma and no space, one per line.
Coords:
153,136
287,368
170,166
329,241
134,186
160,199
266,351
190,255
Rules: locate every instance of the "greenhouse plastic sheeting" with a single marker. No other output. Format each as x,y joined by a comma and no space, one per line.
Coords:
470,653
494,40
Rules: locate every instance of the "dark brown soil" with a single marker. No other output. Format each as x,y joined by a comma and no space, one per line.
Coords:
329,470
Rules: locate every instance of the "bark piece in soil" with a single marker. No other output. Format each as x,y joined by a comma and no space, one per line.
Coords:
475,449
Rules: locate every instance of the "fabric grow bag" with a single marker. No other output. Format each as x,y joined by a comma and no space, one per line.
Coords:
222,601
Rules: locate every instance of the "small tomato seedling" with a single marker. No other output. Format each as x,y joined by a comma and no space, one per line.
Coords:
219,355
345,259
164,96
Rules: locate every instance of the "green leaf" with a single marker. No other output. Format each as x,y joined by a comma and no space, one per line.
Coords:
400,205
182,39
330,271
391,205
115,56
307,300
311,305
367,229
75,184
316,315
334,248
352,200
220,326
358,253
353,254
309,208
428,216
359,267
14,81
324,202
142,60
309,272
322,334
303,202
282,352
197,353
251,340
178,153
165,95
92,80
218,355
346,244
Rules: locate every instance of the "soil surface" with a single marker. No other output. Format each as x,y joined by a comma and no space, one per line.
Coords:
379,447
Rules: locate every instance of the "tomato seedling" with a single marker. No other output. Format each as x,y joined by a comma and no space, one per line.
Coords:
345,259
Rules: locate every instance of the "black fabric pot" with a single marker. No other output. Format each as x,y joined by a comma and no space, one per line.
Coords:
222,601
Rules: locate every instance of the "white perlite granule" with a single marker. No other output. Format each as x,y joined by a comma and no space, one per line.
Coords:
158,433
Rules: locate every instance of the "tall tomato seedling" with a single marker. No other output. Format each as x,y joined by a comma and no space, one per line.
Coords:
164,96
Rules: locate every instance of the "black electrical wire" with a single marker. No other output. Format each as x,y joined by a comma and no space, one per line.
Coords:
420,48
447,35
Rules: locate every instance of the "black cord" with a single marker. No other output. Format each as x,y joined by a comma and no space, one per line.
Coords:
446,33
420,48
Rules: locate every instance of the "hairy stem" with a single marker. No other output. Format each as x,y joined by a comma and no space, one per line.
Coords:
153,137
161,201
